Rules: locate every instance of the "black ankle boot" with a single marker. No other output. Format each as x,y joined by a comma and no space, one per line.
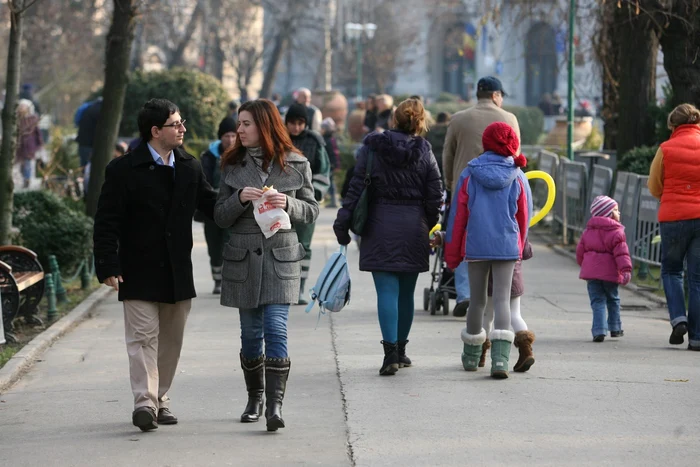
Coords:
403,359
217,287
254,373
391,359
276,374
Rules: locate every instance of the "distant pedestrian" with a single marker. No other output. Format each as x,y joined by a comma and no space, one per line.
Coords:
370,121
674,178
406,194
385,112
215,236
328,129
313,113
29,139
87,128
261,275
487,229
436,137
605,263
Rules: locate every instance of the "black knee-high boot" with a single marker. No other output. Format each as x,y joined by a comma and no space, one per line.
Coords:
276,374
254,373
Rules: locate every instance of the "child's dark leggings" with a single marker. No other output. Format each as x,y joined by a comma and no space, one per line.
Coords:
502,272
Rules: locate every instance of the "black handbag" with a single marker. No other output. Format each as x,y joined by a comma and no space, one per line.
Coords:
361,212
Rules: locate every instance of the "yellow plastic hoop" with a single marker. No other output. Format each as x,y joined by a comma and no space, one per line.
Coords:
551,194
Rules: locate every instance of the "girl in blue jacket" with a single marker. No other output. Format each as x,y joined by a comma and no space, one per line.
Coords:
488,228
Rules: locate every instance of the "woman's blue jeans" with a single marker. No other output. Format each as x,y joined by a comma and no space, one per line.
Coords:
604,294
268,323
680,241
395,303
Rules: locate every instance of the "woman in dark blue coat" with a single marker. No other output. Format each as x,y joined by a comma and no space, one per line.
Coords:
405,198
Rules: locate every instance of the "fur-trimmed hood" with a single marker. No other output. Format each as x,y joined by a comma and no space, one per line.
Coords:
397,148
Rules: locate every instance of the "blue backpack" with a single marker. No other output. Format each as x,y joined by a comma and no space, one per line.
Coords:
332,289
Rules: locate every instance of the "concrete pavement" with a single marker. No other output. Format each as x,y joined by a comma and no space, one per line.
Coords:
629,401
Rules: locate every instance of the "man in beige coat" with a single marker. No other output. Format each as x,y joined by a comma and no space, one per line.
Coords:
462,144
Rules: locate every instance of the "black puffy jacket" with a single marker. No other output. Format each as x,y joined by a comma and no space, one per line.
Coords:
406,193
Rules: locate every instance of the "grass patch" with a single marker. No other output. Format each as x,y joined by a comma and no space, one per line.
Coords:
26,333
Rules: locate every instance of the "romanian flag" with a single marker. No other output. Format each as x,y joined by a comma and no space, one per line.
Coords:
468,42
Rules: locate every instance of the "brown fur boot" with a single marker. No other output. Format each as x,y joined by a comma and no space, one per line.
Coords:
484,348
523,341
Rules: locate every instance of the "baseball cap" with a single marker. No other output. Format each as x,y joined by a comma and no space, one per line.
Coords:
490,83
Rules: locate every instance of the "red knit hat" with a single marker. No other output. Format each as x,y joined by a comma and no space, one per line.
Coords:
499,137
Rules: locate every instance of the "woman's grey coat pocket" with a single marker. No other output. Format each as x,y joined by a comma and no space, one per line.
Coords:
235,267
288,261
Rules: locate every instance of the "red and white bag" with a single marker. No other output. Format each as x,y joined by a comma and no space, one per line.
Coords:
269,218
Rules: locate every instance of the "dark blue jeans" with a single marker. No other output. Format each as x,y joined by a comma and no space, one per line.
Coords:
604,294
395,303
680,241
266,323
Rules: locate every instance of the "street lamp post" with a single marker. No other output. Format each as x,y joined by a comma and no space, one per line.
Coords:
354,32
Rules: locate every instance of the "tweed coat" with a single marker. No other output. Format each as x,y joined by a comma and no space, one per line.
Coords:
257,270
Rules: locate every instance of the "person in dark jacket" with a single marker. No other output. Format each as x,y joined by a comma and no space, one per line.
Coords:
436,137
211,165
328,130
406,194
311,144
369,123
143,248
86,131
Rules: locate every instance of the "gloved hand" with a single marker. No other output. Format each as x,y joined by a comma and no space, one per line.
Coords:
625,277
343,239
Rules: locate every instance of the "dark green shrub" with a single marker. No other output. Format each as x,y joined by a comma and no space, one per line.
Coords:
200,97
447,97
531,121
637,160
48,226
197,146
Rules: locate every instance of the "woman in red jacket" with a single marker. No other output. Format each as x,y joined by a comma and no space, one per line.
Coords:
674,178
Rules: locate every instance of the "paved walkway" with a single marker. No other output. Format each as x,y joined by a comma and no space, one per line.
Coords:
630,401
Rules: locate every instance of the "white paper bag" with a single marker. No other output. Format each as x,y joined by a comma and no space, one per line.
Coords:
269,218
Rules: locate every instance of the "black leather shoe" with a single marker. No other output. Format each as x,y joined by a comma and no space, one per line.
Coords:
166,417
217,288
145,418
679,330
694,347
617,333
461,309
599,338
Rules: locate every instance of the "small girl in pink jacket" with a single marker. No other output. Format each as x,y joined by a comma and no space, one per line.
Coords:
605,262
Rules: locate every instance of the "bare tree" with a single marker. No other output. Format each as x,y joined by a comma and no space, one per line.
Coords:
18,8
119,41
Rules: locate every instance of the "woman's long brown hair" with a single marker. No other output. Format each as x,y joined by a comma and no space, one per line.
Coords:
274,137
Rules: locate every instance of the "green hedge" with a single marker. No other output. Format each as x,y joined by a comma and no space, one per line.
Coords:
200,97
49,226
637,160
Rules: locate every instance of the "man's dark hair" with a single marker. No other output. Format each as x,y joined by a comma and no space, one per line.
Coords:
155,112
485,94
233,105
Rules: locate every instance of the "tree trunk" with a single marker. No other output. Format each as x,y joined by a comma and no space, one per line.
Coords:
680,43
637,49
275,57
119,41
9,124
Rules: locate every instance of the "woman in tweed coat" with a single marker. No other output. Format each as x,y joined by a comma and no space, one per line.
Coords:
260,276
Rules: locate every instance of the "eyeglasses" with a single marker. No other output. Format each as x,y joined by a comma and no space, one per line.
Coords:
176,124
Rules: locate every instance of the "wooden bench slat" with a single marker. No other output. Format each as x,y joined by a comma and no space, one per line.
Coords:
27,279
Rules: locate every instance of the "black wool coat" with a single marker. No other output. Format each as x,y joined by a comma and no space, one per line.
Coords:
143,225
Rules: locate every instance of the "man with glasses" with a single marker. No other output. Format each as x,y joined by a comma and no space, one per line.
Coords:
462,144
143,245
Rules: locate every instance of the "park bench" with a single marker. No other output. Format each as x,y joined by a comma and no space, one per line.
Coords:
21,286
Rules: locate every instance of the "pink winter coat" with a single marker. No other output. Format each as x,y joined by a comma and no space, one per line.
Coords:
602,251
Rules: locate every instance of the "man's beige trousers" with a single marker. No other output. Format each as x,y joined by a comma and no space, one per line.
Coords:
154,334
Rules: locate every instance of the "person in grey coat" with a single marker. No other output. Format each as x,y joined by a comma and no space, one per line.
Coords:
260,276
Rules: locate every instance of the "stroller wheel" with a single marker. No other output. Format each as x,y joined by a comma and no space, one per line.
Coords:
426,299
445,303
433,302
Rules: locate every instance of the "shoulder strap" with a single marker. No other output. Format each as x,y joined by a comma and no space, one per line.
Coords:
368,168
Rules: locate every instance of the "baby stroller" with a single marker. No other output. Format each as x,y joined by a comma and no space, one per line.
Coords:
442,283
